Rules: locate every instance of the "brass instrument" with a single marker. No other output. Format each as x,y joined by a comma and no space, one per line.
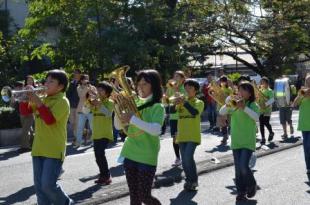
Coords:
172,83
303,91
8,94
234,100
261,99
216,93
173,98
124,100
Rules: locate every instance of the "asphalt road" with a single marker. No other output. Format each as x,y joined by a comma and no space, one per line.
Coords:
81,169
281,176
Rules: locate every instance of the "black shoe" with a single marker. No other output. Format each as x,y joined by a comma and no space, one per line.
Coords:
263,142
241,197
270,138
252,191
284,137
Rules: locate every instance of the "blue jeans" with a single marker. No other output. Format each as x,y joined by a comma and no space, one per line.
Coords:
211,111
81,125
306,144
45,174
189,166
244,176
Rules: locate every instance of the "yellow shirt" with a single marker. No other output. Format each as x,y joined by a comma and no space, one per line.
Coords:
50,140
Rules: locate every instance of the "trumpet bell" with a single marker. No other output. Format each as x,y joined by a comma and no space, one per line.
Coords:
8,94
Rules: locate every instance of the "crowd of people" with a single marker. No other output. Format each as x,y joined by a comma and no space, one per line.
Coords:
95,107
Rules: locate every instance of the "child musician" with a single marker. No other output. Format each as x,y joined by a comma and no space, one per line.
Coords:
189,133
243,139
49,145
102,135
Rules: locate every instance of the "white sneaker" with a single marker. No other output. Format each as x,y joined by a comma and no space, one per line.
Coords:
76,145
177,163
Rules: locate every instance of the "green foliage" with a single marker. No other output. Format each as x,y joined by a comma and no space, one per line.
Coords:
234,77
9,118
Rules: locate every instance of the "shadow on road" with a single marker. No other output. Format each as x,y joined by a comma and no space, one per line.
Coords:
22,195
86,193
184,198
72,151
219,148
8,155
167,178
247,202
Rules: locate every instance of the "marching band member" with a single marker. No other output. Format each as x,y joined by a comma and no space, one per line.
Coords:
49,145
189,133
102,108
142,144
266,109
223,119
303,100
175,90
243,139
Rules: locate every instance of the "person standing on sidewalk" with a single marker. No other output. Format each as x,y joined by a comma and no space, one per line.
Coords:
243,138
27,120
102,109
266,109
141,147
49,145
189,131
303,100
73,98
83,110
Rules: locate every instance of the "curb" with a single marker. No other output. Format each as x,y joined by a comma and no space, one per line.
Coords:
119,190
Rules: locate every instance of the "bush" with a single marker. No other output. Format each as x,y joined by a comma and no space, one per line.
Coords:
9,118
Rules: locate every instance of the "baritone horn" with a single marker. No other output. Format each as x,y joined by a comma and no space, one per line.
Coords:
8,94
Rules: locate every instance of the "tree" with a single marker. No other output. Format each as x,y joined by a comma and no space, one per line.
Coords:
275,38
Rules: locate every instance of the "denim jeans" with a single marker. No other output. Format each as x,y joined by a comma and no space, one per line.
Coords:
211,111
306,144
189,166
244,176
81,125
45,174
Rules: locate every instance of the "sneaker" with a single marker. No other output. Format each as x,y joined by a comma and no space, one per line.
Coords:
270,138
251,191
76,145
103,181
224,140
241,197
177,163
284,137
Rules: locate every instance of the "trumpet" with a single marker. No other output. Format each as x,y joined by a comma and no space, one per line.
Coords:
233,101
8,94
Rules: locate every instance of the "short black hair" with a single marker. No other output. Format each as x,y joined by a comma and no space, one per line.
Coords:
105,86
265,79
223,78
84,76
193,83
247,86
244,78
60,76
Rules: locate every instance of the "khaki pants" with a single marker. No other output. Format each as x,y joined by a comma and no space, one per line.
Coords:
73,120
27,131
